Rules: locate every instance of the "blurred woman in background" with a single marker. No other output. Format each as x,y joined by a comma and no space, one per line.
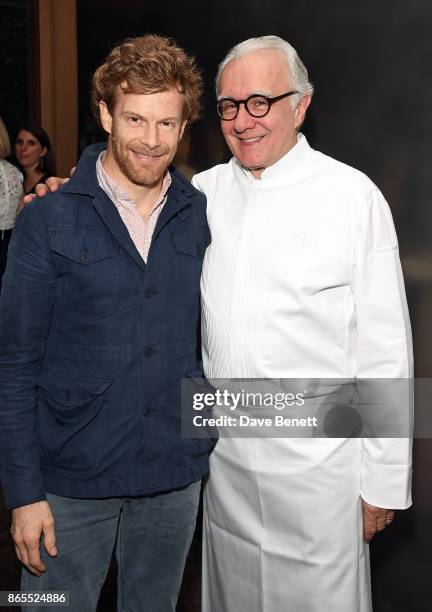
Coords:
33,154
10,192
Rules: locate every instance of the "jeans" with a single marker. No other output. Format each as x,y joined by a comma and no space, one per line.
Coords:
151,536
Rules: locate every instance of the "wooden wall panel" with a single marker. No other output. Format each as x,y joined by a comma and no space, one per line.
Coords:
58,79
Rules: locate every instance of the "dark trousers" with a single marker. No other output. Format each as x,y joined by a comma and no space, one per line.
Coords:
5,236
151,536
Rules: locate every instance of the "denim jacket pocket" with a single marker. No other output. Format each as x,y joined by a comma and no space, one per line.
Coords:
71,421
87,261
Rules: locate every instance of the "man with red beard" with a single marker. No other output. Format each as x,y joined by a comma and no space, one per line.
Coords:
98,324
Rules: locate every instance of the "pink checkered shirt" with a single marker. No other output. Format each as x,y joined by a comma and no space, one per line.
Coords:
140,229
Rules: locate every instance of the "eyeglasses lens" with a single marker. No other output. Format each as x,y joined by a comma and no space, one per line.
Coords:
257,106
227,109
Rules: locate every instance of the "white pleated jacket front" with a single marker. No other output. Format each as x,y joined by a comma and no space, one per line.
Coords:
302,280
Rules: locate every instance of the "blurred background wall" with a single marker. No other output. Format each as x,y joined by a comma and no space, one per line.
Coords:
370,63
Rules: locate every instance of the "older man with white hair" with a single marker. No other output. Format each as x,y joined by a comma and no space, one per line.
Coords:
302,280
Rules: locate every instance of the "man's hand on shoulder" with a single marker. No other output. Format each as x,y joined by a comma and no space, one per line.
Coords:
52,184
29,523
375,519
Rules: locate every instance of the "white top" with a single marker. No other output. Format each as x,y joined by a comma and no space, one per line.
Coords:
11,190
303,279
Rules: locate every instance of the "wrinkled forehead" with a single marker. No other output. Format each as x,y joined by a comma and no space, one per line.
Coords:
264,71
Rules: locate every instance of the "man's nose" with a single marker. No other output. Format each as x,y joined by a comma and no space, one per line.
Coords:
244,120
150,137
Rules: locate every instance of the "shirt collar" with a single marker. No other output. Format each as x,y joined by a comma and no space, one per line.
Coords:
119,195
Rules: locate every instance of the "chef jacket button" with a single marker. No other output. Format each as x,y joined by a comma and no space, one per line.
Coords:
149,351
147,411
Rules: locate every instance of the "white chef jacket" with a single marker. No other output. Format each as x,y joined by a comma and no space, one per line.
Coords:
302,279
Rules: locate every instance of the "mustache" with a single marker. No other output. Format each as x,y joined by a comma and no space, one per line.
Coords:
150,152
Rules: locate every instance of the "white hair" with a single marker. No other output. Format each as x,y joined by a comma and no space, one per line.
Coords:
297,70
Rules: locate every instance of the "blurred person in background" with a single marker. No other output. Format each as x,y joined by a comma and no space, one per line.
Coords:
34,155
10,192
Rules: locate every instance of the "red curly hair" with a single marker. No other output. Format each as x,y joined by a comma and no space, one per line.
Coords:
145,65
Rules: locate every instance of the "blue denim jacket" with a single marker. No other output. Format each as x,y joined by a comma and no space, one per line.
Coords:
94,343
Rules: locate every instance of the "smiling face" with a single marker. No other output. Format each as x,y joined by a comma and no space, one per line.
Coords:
28,150
145,131
260,142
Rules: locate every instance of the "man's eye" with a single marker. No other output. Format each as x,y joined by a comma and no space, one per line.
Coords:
259,102
168,124
134,119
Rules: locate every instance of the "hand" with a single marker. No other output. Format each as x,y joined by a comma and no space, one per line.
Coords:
28,524
52,184
375,519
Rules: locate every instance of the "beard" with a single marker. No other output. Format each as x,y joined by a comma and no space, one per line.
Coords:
137,171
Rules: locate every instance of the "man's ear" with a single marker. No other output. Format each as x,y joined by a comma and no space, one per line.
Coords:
105,117
301,110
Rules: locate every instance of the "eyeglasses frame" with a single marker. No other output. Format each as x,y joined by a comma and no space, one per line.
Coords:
270,99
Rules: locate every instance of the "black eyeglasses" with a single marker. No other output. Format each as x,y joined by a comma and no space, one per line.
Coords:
256,105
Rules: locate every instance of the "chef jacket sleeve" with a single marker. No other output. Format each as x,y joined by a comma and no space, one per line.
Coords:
384,351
